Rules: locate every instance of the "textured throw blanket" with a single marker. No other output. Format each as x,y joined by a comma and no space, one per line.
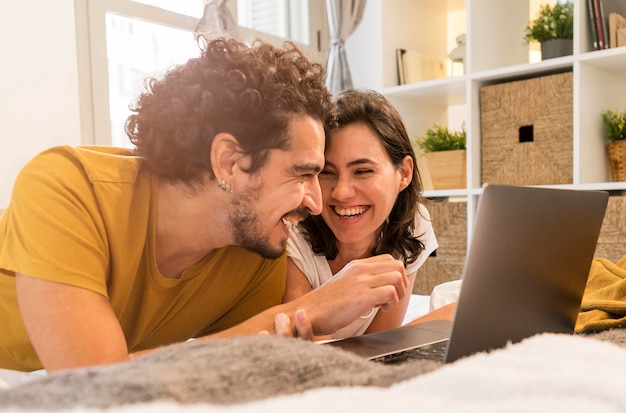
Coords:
272,374
604,301
218,371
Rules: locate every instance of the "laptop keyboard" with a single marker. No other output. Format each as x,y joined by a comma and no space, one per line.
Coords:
435,351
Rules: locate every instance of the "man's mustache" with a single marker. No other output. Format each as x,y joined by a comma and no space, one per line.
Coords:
297,215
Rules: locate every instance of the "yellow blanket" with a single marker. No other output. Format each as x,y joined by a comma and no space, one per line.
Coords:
604,301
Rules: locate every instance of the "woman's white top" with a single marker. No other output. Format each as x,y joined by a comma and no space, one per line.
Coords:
317,271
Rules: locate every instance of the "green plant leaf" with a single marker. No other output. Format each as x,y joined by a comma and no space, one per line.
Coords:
439,138
552,23
614,124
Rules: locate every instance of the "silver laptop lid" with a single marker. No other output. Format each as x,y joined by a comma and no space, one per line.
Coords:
526,267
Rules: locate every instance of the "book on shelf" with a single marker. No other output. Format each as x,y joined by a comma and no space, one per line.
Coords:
592,25
400,64
617,30
607,8
597,12
605,23
416,67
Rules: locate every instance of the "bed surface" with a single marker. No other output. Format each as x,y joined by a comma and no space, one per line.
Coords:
272,374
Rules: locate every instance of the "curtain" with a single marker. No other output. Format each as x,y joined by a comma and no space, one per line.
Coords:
217,20
343,17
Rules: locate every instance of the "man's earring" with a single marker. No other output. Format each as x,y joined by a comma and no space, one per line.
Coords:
224,186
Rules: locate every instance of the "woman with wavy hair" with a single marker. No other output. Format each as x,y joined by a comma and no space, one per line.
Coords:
372,205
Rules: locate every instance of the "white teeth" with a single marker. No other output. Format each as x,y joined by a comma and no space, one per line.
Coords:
349,211
289,221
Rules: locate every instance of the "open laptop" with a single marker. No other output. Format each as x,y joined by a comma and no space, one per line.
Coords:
525,273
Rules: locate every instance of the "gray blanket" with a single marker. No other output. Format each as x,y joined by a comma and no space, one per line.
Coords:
221,371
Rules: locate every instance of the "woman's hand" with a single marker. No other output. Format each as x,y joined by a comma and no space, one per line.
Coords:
379,281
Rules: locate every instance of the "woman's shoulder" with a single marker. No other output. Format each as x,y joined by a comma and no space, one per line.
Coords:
314,267
425,232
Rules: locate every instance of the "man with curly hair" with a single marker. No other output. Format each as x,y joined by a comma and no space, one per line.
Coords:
108,252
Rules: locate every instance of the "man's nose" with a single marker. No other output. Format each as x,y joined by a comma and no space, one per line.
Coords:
313,197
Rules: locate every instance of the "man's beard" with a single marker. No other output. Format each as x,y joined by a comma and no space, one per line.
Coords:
244,222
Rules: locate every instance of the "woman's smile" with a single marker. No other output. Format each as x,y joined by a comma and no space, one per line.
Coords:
350,212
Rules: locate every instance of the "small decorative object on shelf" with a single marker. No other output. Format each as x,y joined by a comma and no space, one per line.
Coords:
614,123
457,55
554,29
444,151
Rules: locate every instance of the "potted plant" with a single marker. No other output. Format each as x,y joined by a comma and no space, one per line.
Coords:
614,126
444,151
553,28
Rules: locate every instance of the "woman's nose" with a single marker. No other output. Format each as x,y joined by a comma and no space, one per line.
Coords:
342,189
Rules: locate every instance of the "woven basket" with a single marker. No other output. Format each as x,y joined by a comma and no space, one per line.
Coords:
613,234
545,106
450,224
617,160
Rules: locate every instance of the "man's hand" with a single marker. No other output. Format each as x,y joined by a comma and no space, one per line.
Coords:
301,326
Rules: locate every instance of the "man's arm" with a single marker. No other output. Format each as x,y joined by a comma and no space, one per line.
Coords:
69,326
73,327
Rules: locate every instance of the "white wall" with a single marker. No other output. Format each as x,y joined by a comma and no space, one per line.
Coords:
39,104
386,26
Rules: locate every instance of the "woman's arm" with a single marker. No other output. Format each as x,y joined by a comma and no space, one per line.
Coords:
444,313
297,283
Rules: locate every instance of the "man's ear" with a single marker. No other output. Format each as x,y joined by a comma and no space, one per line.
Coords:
225,152
406,172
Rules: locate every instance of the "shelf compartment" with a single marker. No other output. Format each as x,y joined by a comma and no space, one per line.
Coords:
601,86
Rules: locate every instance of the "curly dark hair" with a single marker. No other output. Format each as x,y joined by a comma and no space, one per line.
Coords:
372,109
248,90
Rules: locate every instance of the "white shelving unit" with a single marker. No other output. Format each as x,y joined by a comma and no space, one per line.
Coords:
495,53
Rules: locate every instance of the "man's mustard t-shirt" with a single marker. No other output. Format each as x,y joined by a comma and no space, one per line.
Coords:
85,216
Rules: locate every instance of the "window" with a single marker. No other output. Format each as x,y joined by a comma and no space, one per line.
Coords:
188,7
149,48
288,19
298,20
129,40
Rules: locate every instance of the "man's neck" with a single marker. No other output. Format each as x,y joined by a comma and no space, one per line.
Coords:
190,224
